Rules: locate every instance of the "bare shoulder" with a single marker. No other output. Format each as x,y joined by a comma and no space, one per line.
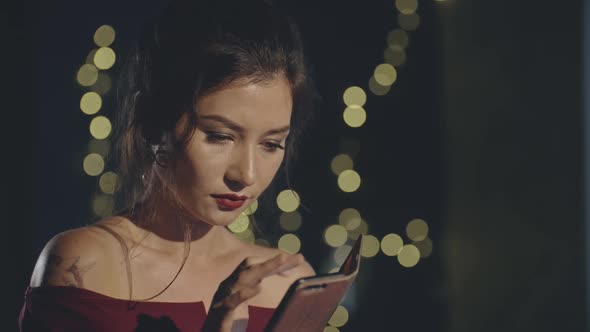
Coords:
81,257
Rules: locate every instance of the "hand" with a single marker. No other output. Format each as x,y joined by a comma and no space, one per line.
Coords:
242,285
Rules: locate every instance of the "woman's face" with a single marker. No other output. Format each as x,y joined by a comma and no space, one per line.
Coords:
236,149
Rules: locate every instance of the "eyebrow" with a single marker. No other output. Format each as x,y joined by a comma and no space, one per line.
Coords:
236,127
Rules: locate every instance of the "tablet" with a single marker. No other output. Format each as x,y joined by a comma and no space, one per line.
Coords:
310,302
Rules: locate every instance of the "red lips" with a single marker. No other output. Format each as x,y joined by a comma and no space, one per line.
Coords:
230,201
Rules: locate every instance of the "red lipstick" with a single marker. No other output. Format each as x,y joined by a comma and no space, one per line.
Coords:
230,201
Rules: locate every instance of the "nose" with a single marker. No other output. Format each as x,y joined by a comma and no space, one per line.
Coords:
242,170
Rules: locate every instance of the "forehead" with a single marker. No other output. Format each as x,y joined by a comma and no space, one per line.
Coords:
252,104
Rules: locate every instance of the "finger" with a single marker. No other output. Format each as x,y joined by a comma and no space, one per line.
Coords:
277,264
233,300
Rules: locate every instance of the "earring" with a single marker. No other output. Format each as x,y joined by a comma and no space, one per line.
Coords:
162,157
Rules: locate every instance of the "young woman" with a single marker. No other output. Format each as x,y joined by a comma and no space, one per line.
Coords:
215,96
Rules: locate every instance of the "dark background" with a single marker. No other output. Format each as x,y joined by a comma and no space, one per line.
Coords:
481,136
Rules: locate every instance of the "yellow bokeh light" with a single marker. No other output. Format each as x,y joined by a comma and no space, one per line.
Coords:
251,208
354,97
349,181
406,6
290,221
103,84
408,256
90,56
104,35
239,225
99,146
341,253
354,117
288,200
350,218
378,89
398,37
246,236
334,270
408,22
340,163
395,55
391,244
104,58
108,182
335,235
362,229
417,229
350,146
331,329
102,205
100,127
93,164
424,246
339,317
90,103
87,75
290,243
385,74
370,246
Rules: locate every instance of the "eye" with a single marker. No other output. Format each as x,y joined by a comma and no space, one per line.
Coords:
272,146
214,137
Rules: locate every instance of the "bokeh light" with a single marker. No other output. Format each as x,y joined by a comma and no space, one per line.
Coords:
288,200
90,56
408,22
246,236
340,163
290,243
93,164
251,208
424,246
385,74
239,225
290,221
391,244
100,127
398,37
408,256
362,229
354,97
378,89
99,146
103,84
406,6
335,235
417,229
341,253
102,205
108,182
354,117
331,329
339,317
395,55
350,218
87,75
90,103
104,35
349,181
370,246
104,58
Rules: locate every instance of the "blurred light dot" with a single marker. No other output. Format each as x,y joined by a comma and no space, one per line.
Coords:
251,208
108,182
391,244
100,127
87,75
354,117
409,255
104,35
288,200
99,146
102,205
354,97
290,221
290,243
90,103
424,246
408,22
240,224
349,181
341,253
417,229
370,246
262,242
350,218
350,146
103,84
335,235
334,269
339,317
341,162
385,74
104,58
246,236
406,6
362,229
378,89
398,37
395,55
331,329
90,56
93,164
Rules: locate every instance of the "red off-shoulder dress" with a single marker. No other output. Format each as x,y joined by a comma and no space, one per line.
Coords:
69,309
